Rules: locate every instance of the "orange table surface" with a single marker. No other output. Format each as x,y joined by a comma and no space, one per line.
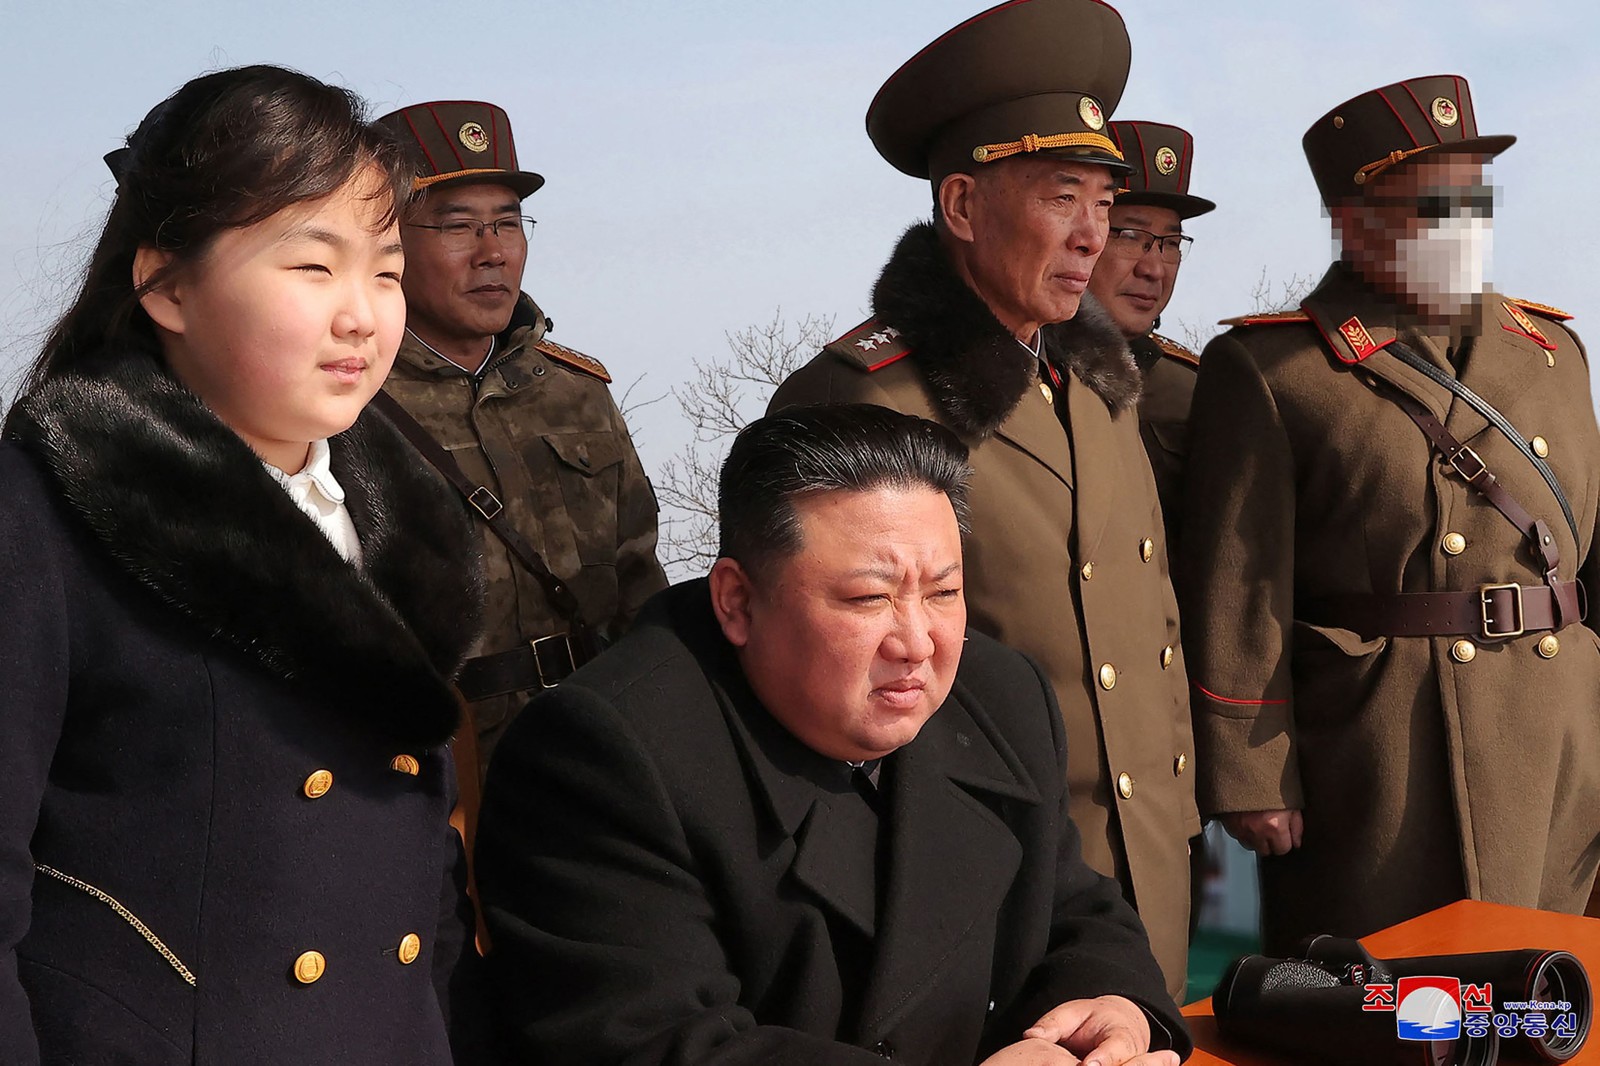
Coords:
1461,927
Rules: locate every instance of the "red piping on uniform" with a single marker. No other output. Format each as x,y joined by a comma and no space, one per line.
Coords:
494,136
1188,159
1414,142
1240,703
1338,353
1140,138
420,142
891,359
1463,104
461,164
1427,113
1546,345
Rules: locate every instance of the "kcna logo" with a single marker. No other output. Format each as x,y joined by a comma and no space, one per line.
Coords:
1428,1008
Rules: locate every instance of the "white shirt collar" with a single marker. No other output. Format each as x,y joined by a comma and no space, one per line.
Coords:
317,472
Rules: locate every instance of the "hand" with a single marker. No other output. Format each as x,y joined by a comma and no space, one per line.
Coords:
1031,1053
1266,832
1106,1031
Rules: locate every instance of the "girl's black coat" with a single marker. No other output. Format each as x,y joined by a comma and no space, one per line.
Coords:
181,649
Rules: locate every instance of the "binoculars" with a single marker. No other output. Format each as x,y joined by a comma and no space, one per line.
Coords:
1335,1002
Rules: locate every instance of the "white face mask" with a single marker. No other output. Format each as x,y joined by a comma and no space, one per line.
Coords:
1444,267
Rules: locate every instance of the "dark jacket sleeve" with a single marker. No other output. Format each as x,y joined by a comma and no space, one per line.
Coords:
605,946
1098,946
34,660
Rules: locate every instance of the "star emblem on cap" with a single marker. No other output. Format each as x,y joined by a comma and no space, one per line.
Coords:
1089,111
1445,112
471,134
1166,160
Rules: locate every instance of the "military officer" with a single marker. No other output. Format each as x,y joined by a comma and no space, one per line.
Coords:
1134,279
529,422
1394,680
982,321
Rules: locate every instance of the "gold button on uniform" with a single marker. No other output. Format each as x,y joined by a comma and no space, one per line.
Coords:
1087,570
405,764
1108,677
1454,544
1147,549
410,948
1044,390
1125,786
1463,651
318,784
1180,764
309,967
1167,655
1549,645
1541,447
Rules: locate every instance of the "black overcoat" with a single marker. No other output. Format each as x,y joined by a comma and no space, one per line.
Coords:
665,881
222,747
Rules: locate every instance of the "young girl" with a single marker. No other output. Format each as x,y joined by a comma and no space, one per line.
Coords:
231,604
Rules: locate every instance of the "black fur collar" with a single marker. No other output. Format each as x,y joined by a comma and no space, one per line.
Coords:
974,367
184,506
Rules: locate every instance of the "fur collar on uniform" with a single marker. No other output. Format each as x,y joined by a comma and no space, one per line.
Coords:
186,508
973,365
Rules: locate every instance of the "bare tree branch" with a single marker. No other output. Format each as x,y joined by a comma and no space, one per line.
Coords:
722,396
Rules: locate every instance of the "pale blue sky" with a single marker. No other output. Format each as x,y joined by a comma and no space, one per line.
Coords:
707,162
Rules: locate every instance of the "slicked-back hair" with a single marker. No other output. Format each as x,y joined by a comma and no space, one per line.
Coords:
225,151
804,450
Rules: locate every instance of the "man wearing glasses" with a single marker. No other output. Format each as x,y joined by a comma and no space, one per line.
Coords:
1133,280
1389,555
542,454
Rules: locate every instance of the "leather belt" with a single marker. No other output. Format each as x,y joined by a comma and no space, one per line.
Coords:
1493,612
541,663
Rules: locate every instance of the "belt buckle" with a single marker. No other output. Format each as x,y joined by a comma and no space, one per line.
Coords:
538,661
1485,600
489,506
1460,458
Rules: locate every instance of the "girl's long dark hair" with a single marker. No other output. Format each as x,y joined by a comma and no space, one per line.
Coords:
226,150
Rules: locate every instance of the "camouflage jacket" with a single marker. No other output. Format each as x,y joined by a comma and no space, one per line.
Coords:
539,428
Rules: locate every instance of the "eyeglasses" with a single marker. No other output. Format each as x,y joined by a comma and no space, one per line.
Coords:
1474,200
1127,243
462,234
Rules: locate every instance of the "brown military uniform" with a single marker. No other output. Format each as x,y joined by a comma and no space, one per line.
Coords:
1066,559
541,430
1168,369
1429,768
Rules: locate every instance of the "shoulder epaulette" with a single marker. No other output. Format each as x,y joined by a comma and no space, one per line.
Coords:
577,360
1542,309
1272,318
871,346
1173,350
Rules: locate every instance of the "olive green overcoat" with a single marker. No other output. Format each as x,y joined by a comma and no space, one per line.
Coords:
1423,778
1066,558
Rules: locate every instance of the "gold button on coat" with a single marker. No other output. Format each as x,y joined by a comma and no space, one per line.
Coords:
1108,677
1454,544
405,764
1147,549
1180,764
1463,651
1044,390
1167,655
309,967
1549,645
1125,786
1087,570
318,784
1541,447
410,948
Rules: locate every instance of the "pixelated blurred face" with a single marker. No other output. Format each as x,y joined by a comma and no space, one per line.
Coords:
463,290
852,643
1033,230
287,327
1135,275
1422,232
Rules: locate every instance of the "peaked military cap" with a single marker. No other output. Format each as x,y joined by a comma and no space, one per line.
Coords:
461,142
1161,157
1026,76
1378,130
